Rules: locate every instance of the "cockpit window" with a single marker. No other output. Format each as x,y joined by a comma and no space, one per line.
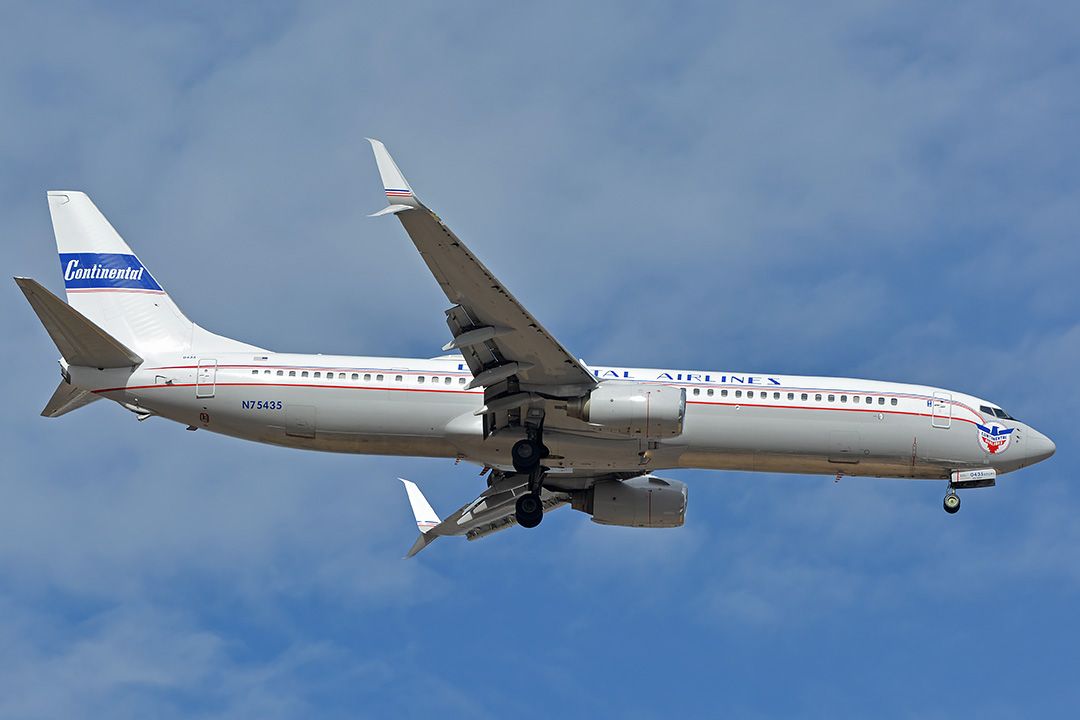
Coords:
995,412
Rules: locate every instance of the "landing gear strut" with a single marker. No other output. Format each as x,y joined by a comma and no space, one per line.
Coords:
951,502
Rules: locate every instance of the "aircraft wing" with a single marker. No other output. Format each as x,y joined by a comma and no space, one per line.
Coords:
510,354
491,512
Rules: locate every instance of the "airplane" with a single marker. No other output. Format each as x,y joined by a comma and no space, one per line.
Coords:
547,429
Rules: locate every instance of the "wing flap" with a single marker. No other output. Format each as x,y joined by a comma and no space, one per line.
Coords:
488,323
467,283
489,513
551,501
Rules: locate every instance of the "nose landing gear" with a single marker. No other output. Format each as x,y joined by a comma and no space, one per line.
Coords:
951,502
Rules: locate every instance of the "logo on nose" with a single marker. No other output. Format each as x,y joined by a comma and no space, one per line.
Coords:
994,437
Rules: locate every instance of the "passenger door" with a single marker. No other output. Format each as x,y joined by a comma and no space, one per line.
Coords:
941,410
206,378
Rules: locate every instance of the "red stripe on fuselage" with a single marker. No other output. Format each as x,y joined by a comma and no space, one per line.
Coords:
479,392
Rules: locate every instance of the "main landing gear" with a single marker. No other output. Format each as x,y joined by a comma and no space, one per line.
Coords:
527,454
951,502
529,510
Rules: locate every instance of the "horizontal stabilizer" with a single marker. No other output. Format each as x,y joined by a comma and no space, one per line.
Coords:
79,340
67,398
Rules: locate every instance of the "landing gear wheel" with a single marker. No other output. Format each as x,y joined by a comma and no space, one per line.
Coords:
527,455
951,503
529,510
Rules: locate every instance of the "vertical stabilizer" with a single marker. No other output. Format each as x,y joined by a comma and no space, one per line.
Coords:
108,284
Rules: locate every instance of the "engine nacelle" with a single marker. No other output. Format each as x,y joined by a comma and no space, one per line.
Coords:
628,408
646,501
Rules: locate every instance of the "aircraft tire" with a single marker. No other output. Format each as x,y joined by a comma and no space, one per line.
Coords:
526,455
529,510
951,503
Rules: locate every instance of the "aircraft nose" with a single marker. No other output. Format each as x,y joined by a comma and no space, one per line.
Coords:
1039,447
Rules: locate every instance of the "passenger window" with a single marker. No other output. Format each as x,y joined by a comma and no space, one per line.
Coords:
266,372
805,396
254,372
832,398
461,381
697,391
447,381
434,379
304,373
881,401
776,396
420,379
398,378
738,393
869,401
367,377
894,401
378,378
843,398
723,393
292,373
316,374
709,392
791,396
817,397
749,393
280,372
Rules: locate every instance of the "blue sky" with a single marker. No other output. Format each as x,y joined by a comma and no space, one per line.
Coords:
886,190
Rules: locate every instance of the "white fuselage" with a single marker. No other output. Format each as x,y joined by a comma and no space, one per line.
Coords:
734,421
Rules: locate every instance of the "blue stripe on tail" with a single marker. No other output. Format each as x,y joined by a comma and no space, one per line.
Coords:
105,270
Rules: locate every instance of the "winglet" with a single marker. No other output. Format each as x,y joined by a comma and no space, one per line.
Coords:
426,518
397,189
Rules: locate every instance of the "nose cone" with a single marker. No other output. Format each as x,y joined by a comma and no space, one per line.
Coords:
1038,447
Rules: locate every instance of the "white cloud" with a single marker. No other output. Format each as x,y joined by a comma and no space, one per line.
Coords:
880,191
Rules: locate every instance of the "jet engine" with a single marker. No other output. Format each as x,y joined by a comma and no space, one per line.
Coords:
629,408
646,501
